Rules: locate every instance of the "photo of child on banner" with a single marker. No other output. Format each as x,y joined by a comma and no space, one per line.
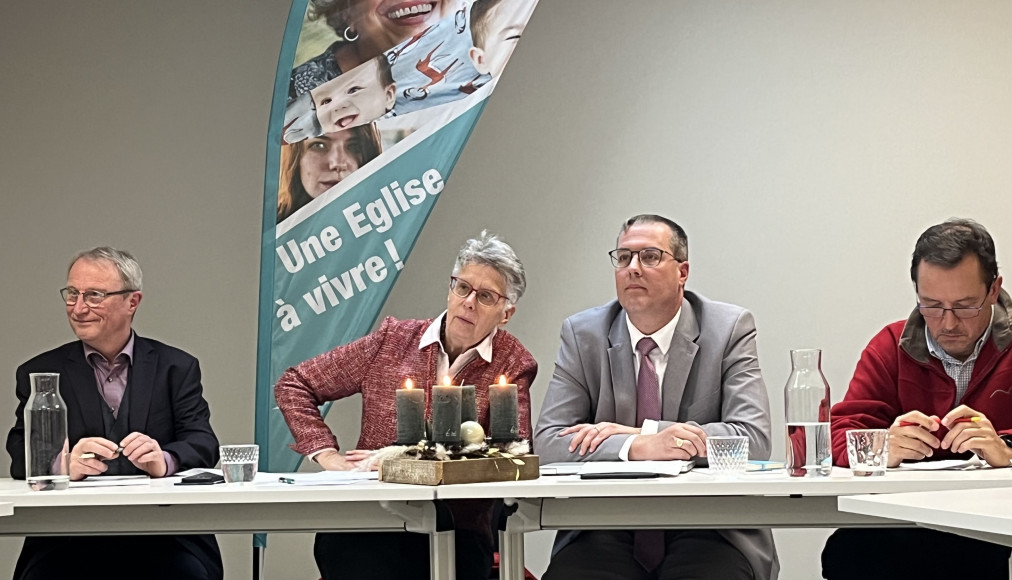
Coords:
360,96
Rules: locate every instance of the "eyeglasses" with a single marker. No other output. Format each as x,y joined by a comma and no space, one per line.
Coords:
483,296
91,297
649,257
962,312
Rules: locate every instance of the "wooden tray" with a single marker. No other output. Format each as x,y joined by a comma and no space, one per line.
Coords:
422,472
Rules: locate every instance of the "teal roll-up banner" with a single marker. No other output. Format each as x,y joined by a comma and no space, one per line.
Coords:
373,103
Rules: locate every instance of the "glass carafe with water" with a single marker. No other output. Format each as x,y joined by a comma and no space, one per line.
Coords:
47,455
806,403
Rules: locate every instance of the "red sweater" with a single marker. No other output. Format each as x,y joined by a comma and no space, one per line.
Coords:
897,374
375,366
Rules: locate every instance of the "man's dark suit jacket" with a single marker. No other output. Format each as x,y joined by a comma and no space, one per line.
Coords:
166,403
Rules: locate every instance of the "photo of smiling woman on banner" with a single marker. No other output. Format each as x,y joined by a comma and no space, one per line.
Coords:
364,30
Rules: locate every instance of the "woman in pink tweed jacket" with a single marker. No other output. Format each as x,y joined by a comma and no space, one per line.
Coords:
466,343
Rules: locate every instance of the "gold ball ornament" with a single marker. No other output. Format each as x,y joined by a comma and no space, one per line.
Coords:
472,433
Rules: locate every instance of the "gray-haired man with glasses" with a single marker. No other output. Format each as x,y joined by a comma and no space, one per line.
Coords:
136,406
939,381
651,375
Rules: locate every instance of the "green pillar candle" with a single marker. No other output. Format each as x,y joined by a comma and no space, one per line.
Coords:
504,424
410,414
446,414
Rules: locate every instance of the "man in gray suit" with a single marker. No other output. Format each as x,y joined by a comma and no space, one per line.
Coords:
644,378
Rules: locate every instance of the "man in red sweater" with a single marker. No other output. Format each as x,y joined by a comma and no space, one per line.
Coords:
466,343
949,360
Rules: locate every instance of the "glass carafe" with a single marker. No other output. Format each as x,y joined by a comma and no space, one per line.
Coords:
47,455
806,404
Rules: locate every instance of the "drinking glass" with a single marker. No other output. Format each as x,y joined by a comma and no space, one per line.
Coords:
868,451
239,462
727,455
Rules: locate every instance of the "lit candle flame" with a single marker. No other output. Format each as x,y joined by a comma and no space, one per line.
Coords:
446,380
409,384
502,379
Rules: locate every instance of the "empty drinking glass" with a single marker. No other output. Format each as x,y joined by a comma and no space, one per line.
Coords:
239,462
868,451
727,455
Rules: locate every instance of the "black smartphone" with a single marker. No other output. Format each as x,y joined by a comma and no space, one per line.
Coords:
620,475
202,478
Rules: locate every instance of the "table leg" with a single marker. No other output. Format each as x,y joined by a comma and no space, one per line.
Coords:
442,556
432,518
258,562
526,517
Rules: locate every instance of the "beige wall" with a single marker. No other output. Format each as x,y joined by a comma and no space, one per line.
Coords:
803,145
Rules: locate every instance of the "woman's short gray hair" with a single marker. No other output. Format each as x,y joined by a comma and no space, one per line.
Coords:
489,250
129,269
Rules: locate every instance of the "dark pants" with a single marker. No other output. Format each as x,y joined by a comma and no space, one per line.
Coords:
396,556
118,558
689,554
889,554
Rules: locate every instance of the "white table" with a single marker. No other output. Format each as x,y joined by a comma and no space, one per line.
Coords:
984,514
699,500
163,508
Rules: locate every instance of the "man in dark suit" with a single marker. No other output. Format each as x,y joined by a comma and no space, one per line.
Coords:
650,377
135,406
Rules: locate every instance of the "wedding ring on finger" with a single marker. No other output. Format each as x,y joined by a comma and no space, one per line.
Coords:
596,428
679,441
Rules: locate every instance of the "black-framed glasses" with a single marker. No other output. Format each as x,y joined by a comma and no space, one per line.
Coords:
961,312
484,296
649,257
91,297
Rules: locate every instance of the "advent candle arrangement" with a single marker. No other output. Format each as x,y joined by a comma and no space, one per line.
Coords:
504,423
468,404
446,413
410,414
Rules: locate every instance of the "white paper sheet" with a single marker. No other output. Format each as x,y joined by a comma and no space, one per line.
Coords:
674,467
945,464
111,481
562,468
318,478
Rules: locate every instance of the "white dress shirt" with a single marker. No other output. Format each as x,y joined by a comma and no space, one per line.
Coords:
659,356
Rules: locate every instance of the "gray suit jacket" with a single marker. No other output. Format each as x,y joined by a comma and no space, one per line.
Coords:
712,380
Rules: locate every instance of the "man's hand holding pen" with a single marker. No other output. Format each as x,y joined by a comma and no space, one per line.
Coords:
90,455
915,436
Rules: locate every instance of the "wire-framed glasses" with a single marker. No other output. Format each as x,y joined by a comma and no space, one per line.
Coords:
91,297
649,257
962,312
484,296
